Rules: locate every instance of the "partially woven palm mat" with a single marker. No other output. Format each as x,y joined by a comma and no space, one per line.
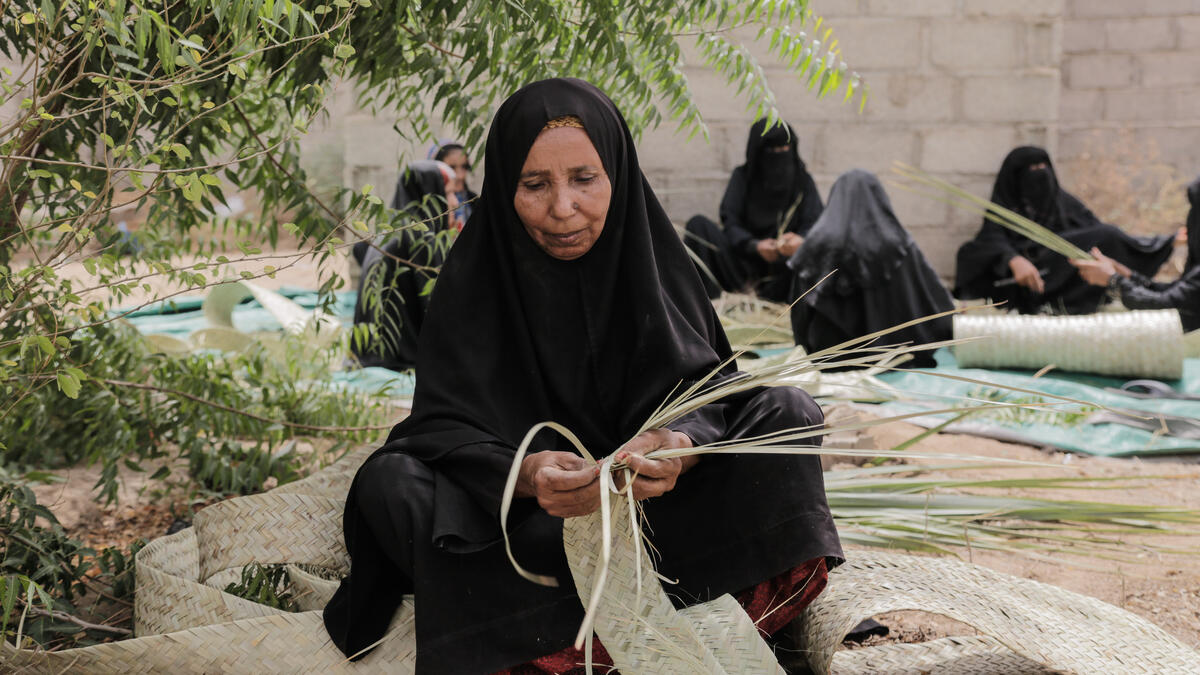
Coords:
188,625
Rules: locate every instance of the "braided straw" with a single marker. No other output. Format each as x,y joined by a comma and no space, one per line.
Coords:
640,628
948,656
1126,344
1050,626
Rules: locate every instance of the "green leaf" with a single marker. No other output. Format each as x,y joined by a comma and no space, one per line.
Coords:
343,51
68,384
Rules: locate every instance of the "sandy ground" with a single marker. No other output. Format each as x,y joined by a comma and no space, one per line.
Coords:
1164,590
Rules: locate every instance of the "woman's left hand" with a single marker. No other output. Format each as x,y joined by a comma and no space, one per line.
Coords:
654,477
789,243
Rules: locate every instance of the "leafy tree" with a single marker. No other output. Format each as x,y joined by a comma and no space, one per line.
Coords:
171,105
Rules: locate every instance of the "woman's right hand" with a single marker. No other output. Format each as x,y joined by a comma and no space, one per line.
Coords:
564,484
1026,274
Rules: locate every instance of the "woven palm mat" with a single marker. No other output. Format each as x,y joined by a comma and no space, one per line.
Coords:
186,624
1045,624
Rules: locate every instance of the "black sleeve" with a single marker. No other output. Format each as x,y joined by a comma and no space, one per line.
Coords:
1144,281
705,425
1181,294
732,207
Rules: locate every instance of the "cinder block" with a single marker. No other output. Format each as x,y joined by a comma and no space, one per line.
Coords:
1141,104
879,44
1170,68
910,97
992,44
1019,8
914,210
1097,71
1077,105
1189,32
1083,36
668,148
1043,44
865,146
974,149
1011,98
911,7
1126,8
840,8
1139,35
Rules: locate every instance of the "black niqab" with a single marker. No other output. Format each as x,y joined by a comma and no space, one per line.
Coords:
982,269
881,279
770,184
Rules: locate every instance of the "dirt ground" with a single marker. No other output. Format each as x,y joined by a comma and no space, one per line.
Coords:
1164,590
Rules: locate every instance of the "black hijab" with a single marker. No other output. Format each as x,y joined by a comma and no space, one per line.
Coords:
1193,225
882,278
775,180
421,191
858,234
515,337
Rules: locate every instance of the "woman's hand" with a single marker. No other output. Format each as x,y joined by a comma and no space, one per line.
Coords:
564,484
1026,274
1181,238
654,477
789,243
1097,272
768,249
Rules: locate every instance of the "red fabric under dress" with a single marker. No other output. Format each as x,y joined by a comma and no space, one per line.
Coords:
771,604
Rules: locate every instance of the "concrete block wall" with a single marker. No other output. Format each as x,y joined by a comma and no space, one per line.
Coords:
955,84
1132,66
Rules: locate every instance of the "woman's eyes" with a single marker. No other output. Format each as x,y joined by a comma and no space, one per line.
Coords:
584,179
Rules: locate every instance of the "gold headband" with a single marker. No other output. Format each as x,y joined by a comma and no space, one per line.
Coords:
564,121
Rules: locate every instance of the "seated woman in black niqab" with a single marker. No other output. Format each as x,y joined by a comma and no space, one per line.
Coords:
769,205
1002,265
569,297
1138,291
391,304
881,280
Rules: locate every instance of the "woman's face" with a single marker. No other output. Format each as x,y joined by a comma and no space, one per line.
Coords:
457,160
563,193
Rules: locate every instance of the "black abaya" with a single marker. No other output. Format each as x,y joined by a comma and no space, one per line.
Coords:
770,194
391,299
514,337
1141,292
983,270
882,279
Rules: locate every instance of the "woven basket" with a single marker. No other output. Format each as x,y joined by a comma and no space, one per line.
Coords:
1046,625
1123,344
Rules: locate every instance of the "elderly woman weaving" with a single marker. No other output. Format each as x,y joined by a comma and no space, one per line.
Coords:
569,297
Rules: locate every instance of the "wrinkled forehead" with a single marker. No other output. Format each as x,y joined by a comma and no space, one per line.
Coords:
525,114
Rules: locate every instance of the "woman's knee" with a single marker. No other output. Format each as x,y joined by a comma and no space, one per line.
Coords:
700,225
389,485
789,407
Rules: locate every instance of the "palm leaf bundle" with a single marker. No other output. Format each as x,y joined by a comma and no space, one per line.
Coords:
922,183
